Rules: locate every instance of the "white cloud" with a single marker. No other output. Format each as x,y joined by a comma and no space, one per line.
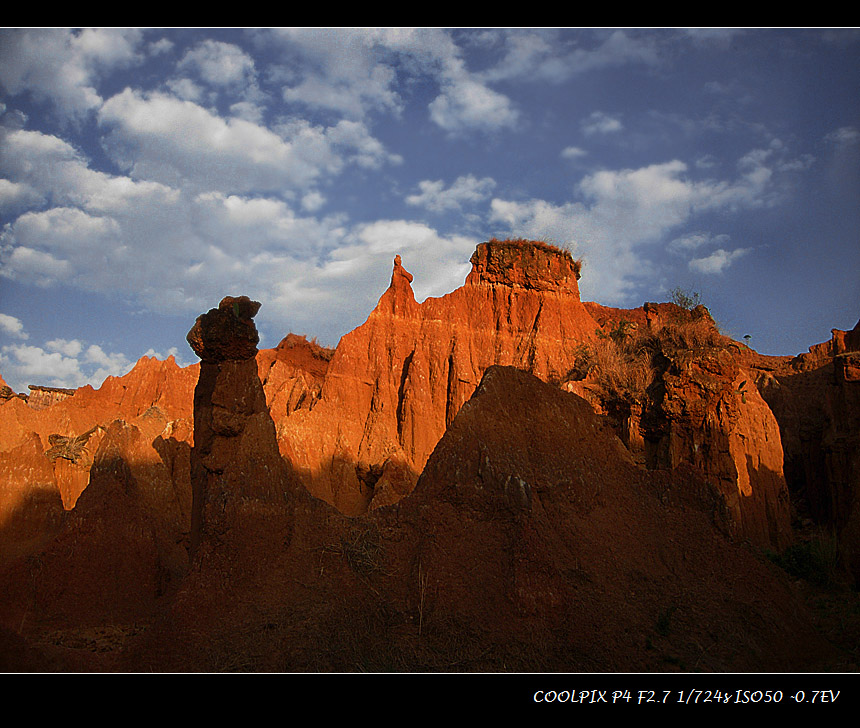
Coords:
34,365
717,261
313,201
844,136
573,153
624,210
162,45
34,266
353,72
220,64
468,105
64,65
186,89
60,363
12,326
343,70
66,348
17,195
465,190
599,122
175,142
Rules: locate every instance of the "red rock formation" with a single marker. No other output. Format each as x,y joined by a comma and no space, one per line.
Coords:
396,382
710,414
41,397
816,399
292,375
161,386
107,561
681,393
30,504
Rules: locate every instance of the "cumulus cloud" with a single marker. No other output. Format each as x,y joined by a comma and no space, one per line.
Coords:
624,210
466,105
64,66
218,63
177,142
70,348
717,261
17,196
60,363
12,326
356,72
599,122
465,190
345,71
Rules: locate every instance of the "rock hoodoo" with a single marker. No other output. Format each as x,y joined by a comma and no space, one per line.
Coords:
235,460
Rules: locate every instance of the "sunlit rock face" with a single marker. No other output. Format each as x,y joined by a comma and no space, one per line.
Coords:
396,382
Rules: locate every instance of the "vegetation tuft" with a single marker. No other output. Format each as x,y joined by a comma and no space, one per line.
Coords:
542,245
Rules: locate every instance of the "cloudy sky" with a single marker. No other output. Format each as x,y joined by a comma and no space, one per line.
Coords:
145,174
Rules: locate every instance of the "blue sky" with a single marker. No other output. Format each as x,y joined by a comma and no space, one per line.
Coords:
145,174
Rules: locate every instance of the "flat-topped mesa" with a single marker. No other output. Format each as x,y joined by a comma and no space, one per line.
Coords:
525,263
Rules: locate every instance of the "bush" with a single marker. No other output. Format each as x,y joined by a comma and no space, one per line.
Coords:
686,298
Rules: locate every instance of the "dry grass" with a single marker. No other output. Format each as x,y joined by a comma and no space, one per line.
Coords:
623,369
541,245
690,333
625,361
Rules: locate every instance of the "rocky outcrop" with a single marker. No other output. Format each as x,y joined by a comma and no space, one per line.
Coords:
521,459
292,375
816,399
115,554
395,383
7,393
31,507
71,428
708,412
679,392
42,397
